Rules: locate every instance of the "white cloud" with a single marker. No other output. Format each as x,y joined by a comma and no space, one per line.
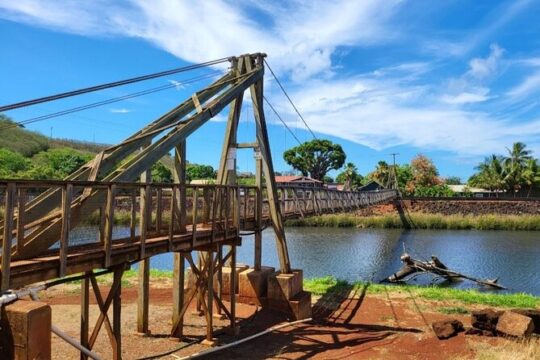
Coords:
481,68
301,40
530,84
120,111
467,97
177,84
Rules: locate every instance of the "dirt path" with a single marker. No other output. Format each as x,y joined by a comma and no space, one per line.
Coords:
358,327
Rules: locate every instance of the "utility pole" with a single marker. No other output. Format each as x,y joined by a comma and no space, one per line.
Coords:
394,182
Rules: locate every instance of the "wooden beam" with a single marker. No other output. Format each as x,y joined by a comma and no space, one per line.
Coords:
8,234
67,192
178,294
85,313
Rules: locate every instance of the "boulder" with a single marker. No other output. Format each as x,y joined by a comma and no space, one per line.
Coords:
447,328
514,324
485,319
533,314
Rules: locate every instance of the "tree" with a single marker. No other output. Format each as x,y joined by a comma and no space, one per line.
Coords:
328,179
350,177
514,165
381,174
11,163
56,163
531,175
315,158
161,173
491,174
197,171
452,180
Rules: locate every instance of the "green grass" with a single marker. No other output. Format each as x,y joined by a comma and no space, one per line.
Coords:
453,310
425,221
324,285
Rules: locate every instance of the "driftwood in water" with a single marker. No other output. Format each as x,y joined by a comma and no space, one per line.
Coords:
434,266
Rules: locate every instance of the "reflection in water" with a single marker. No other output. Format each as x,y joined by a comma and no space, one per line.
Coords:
372,254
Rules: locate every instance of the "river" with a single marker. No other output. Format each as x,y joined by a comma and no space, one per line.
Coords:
372,254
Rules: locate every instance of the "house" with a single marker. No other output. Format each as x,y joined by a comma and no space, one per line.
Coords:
372,186
298,180
464,190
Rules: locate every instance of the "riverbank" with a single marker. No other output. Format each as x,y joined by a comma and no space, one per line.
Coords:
424,221
350,321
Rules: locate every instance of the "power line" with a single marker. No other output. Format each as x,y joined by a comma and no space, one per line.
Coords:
110,85
290,100
283,122
106,102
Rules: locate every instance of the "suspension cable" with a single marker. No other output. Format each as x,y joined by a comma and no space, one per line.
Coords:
110,85
106,102
280,119
290,100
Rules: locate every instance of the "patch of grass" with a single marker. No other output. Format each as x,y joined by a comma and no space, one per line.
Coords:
453,310
425,221
320,286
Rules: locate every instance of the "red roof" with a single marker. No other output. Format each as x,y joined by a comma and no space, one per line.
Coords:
295,178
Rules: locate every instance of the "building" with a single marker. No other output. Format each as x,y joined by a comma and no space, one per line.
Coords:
372,186
464,190
298,180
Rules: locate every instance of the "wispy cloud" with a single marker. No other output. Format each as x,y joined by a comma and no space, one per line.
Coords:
530,84
120,111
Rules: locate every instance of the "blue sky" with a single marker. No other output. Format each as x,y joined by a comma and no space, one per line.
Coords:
454,80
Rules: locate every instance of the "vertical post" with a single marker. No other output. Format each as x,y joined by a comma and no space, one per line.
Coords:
67,192
232,290
21,201
178,292
210,294
179,266
143,294
159,210
257,262
109,223
85,306
133,217
117,312
8,235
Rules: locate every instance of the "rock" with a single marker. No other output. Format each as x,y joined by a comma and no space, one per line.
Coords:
533,314
447,328
485,319
514,324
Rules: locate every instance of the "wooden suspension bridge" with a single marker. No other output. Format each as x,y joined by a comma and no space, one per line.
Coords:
41,217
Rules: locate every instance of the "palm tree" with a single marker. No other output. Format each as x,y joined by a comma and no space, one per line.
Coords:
531,174
491,174
514,164
350,171
381,173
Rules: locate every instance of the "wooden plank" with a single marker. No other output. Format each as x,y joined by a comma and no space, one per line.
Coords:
117,313
67,192
133,216
8,234
210,301
143,296
85,313
21,201
257,259
178,294
109,224
232,290
180,178
159,210
194,218
144,204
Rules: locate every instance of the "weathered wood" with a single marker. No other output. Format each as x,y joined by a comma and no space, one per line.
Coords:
257,261
133,216
117,313
109,224
143,296
21,201
7,238
85,313
67,192
178,294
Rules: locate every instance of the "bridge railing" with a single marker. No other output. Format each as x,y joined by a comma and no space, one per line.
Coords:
58,218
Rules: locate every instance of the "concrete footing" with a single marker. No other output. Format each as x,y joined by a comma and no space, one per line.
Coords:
253,285
226,278
25,331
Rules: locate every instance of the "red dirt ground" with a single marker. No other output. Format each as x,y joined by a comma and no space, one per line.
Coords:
356,327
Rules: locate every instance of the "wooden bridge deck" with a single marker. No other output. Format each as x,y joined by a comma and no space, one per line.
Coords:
217,206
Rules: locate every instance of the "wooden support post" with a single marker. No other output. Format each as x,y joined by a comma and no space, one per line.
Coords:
133,217
180,178
21,201
67,192
8,234
257,261
210,300
85,314
178,294
143,294
159,210
117,313
232,290
219,276
109,224
143,298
